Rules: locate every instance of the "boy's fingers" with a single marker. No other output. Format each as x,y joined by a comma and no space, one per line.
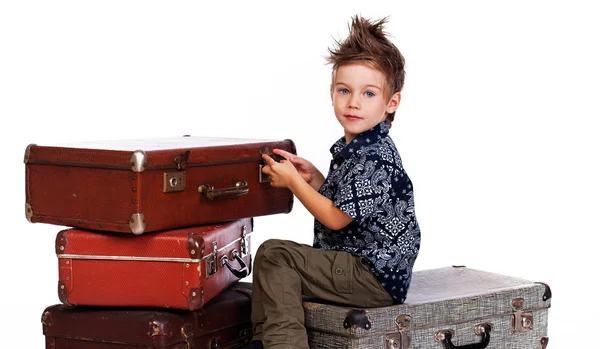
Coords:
268,159
284,153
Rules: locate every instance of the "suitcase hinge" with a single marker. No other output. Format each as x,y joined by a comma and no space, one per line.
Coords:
522,321
400,339
244,243
211,262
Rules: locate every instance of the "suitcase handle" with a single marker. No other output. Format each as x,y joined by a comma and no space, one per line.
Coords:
239,273
445,336
240,188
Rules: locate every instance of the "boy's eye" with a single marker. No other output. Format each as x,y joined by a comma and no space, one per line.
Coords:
369,94
344,91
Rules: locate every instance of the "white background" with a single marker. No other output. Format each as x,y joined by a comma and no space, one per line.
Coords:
497,127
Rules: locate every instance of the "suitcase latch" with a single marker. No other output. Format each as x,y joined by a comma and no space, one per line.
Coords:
263,178
244,243
522,321
211,262
400,339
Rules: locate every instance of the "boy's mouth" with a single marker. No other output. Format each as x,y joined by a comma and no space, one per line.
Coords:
352,117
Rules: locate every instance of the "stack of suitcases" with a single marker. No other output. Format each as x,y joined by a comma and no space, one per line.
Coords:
159,238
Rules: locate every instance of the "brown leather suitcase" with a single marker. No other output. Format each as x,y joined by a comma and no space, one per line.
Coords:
180,269
137,186
223,323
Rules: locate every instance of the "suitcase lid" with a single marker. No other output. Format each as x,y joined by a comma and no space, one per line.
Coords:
155,153
445,284
160,328
191,245
437,297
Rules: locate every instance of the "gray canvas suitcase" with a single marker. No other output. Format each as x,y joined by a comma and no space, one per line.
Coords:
452,307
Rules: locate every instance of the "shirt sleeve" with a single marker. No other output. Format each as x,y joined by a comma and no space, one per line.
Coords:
364,188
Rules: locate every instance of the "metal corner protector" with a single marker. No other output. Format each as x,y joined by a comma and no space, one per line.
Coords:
137,223
138,161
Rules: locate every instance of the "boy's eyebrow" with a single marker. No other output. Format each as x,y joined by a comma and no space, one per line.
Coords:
367,85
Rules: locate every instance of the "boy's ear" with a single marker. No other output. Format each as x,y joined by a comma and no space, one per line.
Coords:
394,102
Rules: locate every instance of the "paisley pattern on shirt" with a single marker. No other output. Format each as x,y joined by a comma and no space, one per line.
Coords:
366,180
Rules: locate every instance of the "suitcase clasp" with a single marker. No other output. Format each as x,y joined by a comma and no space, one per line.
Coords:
181,160
211,261
522,321
188,334
400,339
262,178
244,243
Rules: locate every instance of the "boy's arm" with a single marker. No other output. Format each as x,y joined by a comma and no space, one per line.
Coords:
285,174
318,205
317,180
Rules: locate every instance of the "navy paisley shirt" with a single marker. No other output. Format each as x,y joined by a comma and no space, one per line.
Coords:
366,180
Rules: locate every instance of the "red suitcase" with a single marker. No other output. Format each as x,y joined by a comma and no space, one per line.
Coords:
223,323
136,186
180,269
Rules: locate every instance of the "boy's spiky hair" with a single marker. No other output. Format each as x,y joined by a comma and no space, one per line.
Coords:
368,43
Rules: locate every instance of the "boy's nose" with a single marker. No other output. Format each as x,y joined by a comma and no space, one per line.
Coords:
353,102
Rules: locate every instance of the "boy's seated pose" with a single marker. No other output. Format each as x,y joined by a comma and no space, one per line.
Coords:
366,236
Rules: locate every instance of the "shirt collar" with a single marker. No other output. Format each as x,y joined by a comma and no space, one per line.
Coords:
343,150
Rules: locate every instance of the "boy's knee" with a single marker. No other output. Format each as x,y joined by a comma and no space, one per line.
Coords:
272,251
268,244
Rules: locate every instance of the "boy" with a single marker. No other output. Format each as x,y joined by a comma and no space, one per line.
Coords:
366,236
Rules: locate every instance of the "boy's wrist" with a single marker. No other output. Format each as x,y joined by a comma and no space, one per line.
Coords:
295,183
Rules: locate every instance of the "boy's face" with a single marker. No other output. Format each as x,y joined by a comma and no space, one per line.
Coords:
358,98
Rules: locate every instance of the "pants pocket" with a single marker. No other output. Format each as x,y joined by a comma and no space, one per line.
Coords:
330,270
342,272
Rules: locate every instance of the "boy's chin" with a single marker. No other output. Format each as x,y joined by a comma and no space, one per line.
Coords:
356,127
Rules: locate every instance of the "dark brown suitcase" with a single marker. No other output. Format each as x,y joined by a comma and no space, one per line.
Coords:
223,323
137,186
180,268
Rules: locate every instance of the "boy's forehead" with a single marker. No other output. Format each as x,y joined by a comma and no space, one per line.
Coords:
363,73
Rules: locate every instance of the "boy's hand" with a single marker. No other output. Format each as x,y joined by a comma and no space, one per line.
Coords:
282,173
305,168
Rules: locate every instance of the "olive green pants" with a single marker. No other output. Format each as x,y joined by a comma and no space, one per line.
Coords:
284,271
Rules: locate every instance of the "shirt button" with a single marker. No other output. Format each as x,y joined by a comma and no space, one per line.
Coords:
339,271
335,166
